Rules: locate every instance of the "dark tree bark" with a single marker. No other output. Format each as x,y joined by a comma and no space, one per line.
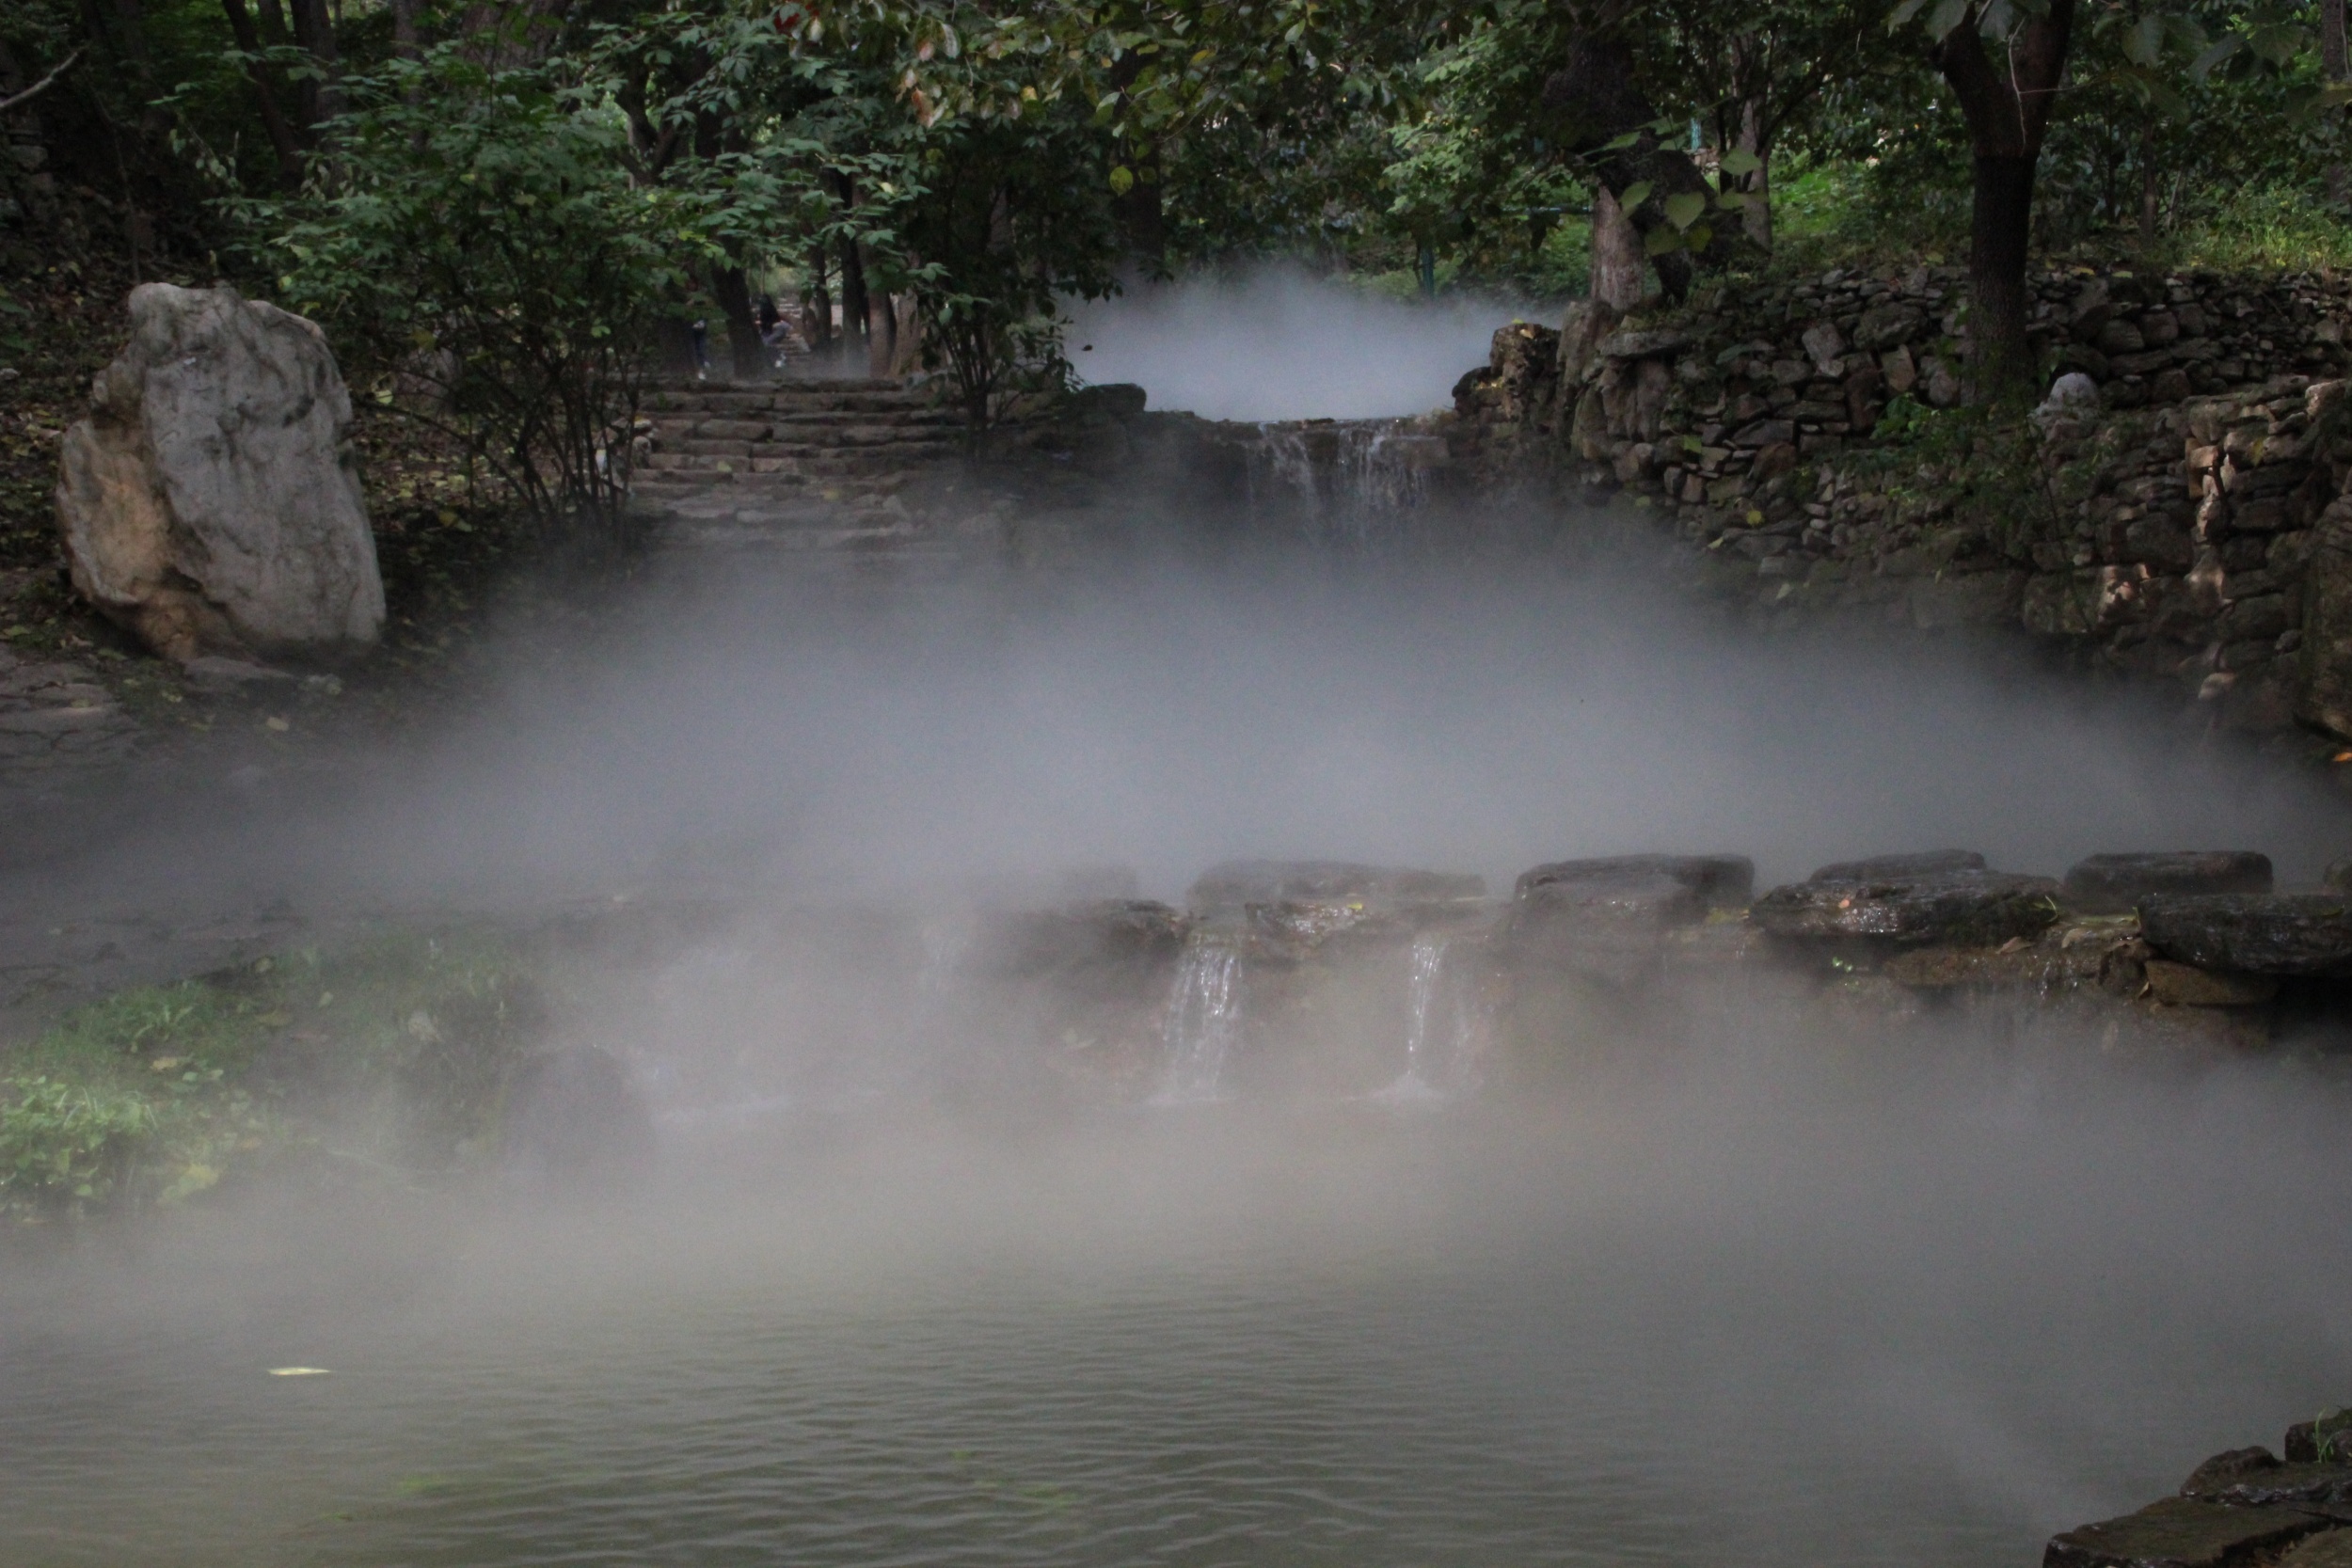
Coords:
2008,109
853,304
816,305
1618,263
1592,101
2333,61
881,333
745,352
281,135
318,97
407,35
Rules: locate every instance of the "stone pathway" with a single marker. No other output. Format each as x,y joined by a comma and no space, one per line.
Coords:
804,466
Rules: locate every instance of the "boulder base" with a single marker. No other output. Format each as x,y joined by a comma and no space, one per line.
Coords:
2179,1533
210,502
2114,883
2307,935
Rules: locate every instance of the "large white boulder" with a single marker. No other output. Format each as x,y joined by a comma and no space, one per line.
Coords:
210,502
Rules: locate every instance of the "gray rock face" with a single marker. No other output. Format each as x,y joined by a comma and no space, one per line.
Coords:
1965,907
1719,880
1930,862
210,502
2114,883
573,1121
2294,934
1603,920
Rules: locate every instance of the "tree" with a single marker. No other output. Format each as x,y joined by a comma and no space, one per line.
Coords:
2007,107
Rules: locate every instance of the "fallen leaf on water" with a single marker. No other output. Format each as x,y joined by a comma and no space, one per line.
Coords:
298,1372
2015,944
273,722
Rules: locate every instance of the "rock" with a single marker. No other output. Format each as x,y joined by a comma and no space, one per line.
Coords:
1887,326
1722,881
2113,883
2180,985
1901,371
2332,1549
1605,920
1113,399
1982,909
1773,461
574,1119
2073,395
2294,934
210,502
1943,384
1582,330
2120,336
1929,863
1825,346
2328,1437
2181,1532
2227,1466
2261,1485
1765,433
214,672
2338,875
1643,346
1236,883
1030,942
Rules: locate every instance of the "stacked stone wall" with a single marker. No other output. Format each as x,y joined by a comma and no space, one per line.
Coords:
2189,529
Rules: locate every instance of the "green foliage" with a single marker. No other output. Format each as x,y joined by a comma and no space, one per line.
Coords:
478,237
155,1095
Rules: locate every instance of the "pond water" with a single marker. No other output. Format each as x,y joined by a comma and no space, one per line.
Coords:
1749,1305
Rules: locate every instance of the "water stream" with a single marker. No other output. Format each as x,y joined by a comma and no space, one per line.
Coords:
1204,1022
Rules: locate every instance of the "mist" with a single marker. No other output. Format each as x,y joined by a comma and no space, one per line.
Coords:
1739,1287
1277,343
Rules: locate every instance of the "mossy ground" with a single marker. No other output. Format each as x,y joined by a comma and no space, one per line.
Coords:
394,1055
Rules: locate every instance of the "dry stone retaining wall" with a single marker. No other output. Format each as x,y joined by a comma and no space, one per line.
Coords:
2191,530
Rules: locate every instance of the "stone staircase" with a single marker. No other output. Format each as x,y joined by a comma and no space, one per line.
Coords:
795,465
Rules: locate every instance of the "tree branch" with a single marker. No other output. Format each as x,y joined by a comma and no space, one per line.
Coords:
18,101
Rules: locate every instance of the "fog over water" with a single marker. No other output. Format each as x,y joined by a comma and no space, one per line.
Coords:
1739,1294
1279,345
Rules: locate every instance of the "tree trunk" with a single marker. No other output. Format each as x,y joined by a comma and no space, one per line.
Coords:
881,333
2148,207
407,37
817,307
854,306
281,137
1142,219
2001,231
319,98
733,291
1618,263
2007,108
2332,59
1757,218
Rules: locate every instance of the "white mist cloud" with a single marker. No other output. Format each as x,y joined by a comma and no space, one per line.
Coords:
1280,345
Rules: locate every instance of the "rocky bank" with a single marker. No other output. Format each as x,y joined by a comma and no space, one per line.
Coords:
2190,527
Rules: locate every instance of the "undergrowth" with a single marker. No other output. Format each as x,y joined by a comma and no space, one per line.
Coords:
395,1055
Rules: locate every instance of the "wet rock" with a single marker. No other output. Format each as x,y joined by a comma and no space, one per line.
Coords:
2328,1437
2294,934
1236,883
1035,942
2180,985
1719,880
1932,863
2181,1532
574,1119
2331,1550
2114,883
210,502
2230,1466
2073,396
2305,1484
1966,907
2338,875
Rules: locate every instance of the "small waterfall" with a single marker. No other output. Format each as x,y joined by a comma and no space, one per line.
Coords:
1203,1021
1444,1027
1349,482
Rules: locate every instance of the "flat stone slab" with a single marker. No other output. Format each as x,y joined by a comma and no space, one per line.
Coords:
1238,883
1930,862
1964,908
2112,883
2328,1486
2305,935
2181,1532
1723,881
2332,1549
2180,985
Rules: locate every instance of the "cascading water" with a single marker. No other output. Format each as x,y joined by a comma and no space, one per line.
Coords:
1348,482
1203,1021
1443,1021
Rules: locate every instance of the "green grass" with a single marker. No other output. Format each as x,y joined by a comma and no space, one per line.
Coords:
151,1096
